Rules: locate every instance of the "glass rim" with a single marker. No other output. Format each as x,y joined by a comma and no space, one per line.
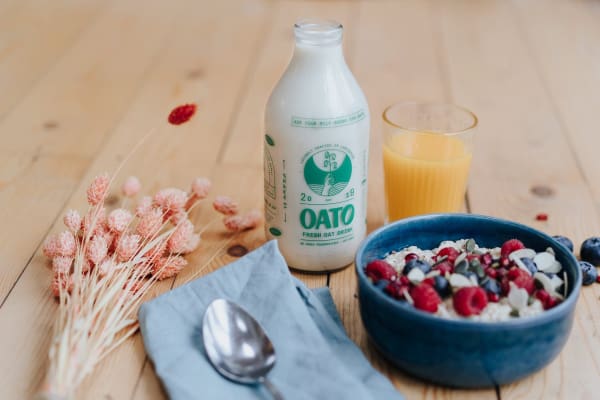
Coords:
426,103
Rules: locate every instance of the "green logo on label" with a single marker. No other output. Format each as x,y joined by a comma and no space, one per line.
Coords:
275,231
328,172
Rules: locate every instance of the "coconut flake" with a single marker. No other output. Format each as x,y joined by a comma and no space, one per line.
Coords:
546,262
459,281
461,257
548,284
521,265
522,253
566,282
433,273
415,276
517,297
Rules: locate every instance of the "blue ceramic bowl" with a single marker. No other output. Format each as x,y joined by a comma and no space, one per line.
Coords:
462,353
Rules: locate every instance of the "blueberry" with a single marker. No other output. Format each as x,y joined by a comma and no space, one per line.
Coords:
590,250
470,274
565,241
530,265
589,272
442,286
422,265
491,286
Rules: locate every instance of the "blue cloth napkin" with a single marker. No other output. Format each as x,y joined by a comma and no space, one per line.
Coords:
315,358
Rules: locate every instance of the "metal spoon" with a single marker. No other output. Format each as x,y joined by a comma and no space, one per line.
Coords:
237,346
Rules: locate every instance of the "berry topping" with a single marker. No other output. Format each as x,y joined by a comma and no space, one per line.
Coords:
511,245
469,301
445,267
425,298
590,250
493,297
396,290
491,286
565,241
521,279
410,256
486,259
379,269
449,252
531,267
416,263
589,272
442,286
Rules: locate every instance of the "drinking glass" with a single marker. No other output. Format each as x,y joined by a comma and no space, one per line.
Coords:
427,151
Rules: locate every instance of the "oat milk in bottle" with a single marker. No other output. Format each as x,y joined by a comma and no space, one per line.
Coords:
315,153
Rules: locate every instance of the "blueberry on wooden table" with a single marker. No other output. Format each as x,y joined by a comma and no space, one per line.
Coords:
589,272
565,241
590,250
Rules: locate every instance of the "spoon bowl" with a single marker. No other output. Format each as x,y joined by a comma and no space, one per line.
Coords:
236,345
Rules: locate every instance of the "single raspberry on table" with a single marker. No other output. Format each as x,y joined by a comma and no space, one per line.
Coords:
469,301
449,252
425,298
379,269
511,245
522,279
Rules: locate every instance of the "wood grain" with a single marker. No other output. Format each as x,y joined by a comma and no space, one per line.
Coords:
83,81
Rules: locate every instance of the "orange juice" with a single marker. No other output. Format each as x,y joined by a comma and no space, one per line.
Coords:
424,173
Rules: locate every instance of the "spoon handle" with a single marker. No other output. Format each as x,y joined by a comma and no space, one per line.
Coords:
274,391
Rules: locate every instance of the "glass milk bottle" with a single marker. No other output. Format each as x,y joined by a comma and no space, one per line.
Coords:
315,154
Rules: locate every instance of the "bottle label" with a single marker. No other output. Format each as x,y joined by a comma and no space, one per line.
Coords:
327,206
349,119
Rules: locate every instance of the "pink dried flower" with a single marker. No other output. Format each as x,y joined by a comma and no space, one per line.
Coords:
225,205
238,223
72,221
66,245
157,251
127,246
170,199
133,285
62,265
106,266
97,249
192,244
61,282
168,267
97,218
98,190
131,186
119,220
201,187
178,217
150,223
50,247
180,237
144,206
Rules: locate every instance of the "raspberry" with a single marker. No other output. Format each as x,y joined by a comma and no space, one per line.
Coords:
511,245
493,297
449,252
522,279
504,262
542,296
444,267
404,280
470,301
425,298
492,273
379,269
395,290
429,281
486,259
409,257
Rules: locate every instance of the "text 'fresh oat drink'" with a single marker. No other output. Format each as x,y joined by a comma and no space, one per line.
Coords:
315,153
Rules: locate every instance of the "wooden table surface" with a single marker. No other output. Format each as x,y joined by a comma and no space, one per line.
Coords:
81,81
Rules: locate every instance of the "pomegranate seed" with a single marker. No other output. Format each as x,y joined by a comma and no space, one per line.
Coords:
493,297
182,114
541,217
492,273
410,256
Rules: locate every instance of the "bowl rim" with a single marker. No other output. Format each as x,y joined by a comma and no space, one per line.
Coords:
546,316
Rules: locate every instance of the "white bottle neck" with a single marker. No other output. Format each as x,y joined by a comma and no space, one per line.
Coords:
318,56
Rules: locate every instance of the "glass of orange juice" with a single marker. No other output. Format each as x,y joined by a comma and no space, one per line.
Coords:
427,151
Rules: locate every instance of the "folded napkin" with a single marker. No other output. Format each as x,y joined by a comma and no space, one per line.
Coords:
315,358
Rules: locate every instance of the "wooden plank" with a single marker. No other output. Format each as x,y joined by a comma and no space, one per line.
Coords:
245,136
34,36
393,62
219,82
567,57
519,142
64,119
